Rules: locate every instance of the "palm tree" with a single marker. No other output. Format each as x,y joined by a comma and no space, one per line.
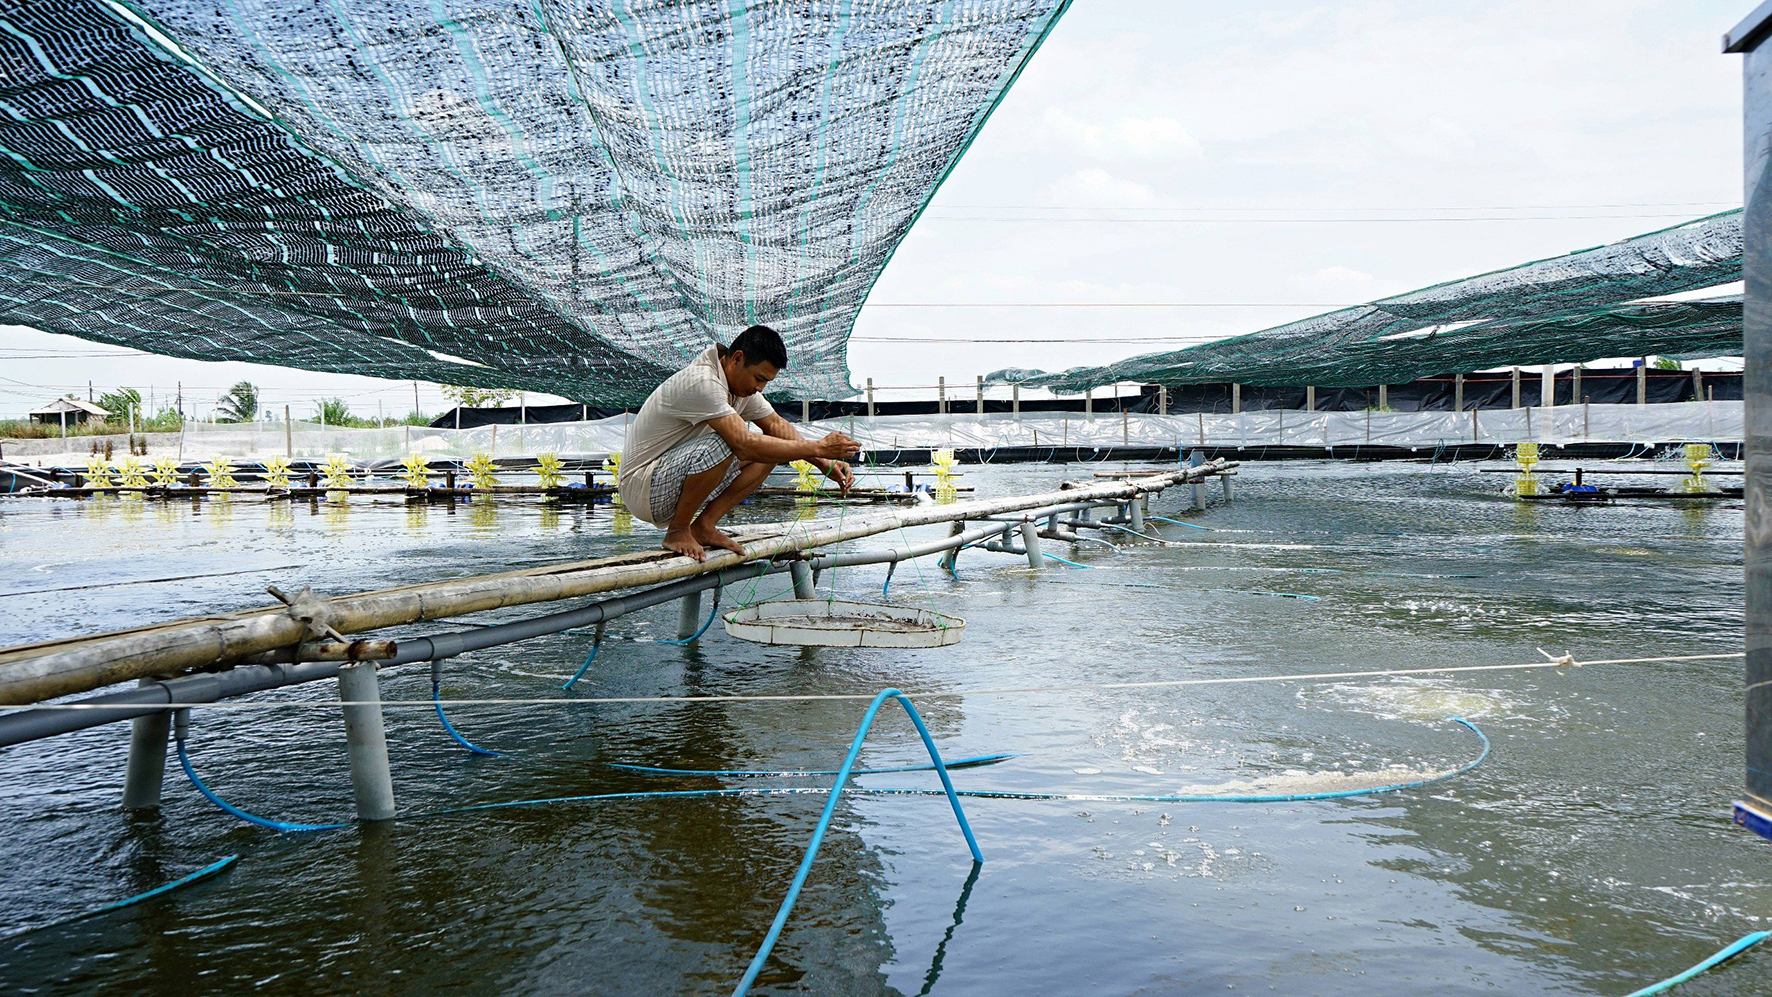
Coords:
240,404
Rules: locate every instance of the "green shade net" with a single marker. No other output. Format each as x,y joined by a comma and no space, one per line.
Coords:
1567,309
564,197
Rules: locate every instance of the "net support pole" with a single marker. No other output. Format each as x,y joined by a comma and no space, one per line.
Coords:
1697,385
805,411
1516,383
1015,401
1575,387
146,769
1547,386
1162,400
689,614
1749,38
870,400
941,396
1310,398
1236,399
802,575
1458,392
1089,404
372,785
288,435
1643,382
981,394
1030,542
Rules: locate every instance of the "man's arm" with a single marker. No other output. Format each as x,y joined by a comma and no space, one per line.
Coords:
834,468
773,446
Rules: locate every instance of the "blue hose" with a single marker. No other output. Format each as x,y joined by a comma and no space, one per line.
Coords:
596,645
830,809
184,759
437,699
1061,560
1141,536
183,881
705,624
1177,522
1734,949
961,763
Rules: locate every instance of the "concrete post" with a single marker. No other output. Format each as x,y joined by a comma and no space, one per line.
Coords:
1643,382
941,396
1135,513
688,615
1162,400
1195,459
1697,385
1547,386
1236,399
1310,398
805,410
371,783
1516,377
802,574
981,394
1030,542
1225,480
1458,392
288,435
1384,397
1015,401
1575,386
1089,404
1749,38
870,399
146,769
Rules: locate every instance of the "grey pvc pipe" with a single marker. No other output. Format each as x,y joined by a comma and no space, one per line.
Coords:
366,739
1030,544
688,614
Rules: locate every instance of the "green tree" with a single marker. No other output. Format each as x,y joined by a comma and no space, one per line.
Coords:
120,403
333,412
471,397
1667,363
240,404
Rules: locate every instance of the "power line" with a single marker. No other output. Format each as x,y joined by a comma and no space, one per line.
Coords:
1302,207
1289,221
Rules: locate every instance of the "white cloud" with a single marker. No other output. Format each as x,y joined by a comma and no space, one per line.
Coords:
1141,139
1095,187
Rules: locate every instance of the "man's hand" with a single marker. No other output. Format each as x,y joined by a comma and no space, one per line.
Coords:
839,472
836,446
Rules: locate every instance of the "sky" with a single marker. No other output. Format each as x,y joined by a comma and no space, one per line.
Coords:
1255,163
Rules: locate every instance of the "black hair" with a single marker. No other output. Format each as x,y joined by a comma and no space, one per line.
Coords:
761,344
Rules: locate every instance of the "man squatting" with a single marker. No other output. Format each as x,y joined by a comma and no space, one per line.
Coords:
690,457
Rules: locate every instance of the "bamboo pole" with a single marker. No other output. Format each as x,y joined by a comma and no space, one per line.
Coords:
35,672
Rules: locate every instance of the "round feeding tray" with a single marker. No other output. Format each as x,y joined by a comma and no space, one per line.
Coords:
834,623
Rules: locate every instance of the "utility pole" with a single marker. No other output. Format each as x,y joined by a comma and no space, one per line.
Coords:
179,402
415,398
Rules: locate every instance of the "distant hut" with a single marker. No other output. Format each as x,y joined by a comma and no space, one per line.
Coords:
64,412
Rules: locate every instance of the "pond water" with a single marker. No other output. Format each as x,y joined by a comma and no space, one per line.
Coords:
1591,854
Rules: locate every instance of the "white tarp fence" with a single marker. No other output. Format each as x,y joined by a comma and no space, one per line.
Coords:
1662,423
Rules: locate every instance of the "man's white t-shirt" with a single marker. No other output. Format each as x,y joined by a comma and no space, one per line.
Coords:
678,411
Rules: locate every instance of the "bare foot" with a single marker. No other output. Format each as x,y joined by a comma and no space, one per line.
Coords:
714,538
684,543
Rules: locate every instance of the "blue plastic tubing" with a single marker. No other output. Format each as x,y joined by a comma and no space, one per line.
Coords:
1177,522
713,612
596,645
958,763
437,699
1061,560
184,760
1734,949
201,874
830,809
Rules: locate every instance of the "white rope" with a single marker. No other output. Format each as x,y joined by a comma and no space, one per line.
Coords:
1566,660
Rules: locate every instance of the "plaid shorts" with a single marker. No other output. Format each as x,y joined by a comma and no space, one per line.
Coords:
700,454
